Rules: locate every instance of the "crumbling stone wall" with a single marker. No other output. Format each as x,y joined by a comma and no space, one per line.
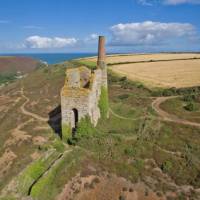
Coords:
81,94
84,100
94,111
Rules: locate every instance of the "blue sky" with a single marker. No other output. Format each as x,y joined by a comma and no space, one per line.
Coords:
73,25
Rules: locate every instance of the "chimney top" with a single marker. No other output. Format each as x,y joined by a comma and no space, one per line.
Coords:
101,49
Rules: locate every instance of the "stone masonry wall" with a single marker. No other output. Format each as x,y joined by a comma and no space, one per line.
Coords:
95,93
86,104
81,104
81,93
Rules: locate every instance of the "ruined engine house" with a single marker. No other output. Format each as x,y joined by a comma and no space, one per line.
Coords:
82,92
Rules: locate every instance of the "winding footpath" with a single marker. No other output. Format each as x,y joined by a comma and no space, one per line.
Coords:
26,112
165,116
122,117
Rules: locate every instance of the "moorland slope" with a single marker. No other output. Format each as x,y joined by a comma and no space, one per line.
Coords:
11,64
135,154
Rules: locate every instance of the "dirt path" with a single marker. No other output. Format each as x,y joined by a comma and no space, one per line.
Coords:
167,116
26,112
174,153
122,117
18,136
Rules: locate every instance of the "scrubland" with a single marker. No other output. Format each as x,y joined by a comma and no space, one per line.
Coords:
134,153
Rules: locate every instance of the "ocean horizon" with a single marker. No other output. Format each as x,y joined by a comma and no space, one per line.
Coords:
52,58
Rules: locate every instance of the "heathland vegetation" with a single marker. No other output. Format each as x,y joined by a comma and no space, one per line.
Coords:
12,67
137,151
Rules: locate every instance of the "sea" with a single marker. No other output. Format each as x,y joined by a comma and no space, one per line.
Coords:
53,58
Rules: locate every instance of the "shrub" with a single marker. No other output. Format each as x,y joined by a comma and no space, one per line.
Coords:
157,92
85,128
121,197
140,85
129,151
169,92
58,145
124,78
72,141
190,106
112,78
139,164
189,98
130,189
46,70
123,96
167,166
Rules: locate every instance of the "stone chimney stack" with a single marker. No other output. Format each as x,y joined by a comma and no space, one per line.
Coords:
101,52
101,61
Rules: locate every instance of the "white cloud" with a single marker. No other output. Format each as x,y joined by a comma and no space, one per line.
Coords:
146,2
149,33
38,42
92,38
167,2
176,2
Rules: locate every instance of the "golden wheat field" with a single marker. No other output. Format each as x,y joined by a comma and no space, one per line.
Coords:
146,57
182,73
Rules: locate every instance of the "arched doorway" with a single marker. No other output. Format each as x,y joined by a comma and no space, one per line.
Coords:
74,122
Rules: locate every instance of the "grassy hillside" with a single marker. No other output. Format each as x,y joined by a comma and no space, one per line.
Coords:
157,159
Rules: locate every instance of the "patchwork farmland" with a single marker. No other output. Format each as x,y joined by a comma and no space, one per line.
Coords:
158,70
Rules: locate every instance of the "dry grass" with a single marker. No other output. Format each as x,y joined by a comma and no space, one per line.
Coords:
183,73
145,57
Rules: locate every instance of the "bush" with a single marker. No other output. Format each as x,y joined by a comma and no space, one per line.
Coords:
169,92
72,141
85,128
124,78
58,145
190,106
189,98
139,164
121,197
123,96
129,151
140,85
167,166
112,78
